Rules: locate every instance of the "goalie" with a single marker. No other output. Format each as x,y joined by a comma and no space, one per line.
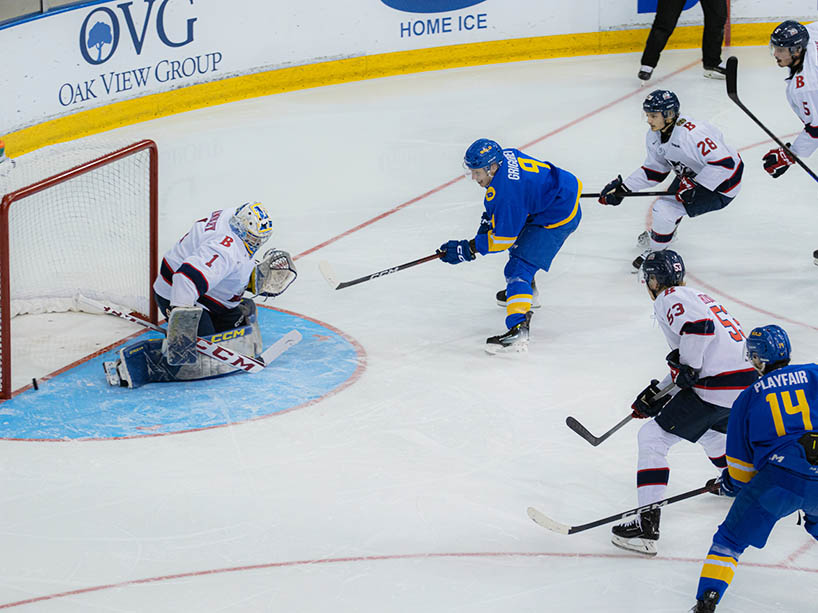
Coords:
199,290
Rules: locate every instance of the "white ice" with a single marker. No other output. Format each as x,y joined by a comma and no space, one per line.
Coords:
407,491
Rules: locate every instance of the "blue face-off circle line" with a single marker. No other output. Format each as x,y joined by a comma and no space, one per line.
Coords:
77,403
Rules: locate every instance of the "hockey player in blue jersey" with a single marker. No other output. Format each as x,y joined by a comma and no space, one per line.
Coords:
772,459
531,208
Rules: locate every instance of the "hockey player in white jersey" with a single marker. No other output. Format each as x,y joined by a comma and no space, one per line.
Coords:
795,47
199,289
709,369
708,170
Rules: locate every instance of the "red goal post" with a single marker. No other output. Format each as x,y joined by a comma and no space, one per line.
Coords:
90,228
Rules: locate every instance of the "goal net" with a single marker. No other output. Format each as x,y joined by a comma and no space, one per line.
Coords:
76,218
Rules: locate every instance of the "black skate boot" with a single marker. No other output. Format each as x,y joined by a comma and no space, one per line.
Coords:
637,263
707,603
639,534
515,340
815,257
535,297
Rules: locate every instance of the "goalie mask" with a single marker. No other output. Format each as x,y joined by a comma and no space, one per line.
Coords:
252,225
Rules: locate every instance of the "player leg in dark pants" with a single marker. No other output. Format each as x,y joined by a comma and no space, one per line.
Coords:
715,17
667,14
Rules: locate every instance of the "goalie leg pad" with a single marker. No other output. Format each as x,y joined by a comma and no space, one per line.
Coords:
244,339
183,325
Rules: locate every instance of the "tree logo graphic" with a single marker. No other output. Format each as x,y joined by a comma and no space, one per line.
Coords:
99,35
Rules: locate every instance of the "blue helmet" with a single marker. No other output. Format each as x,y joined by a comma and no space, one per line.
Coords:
665,266
769,344
791,35
661,101
482,153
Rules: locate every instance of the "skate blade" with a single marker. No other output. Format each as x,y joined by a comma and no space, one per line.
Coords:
636,545
521,347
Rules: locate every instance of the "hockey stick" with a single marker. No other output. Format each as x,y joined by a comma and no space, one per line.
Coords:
329,273
235,359
628,195
543,520
732,93
596,440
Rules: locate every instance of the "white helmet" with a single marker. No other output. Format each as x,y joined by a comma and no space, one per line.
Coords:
252,225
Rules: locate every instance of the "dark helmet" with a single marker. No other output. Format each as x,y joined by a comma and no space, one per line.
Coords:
769,344
482,153
665,266
661,101
790,35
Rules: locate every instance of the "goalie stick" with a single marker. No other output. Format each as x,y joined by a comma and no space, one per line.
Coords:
329,273
732,93
546,522
218,352
596,440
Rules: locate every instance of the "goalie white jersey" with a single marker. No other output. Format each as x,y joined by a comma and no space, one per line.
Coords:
709,340
209,266
695,149
802,94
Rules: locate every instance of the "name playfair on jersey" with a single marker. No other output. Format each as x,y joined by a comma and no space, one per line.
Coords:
780,380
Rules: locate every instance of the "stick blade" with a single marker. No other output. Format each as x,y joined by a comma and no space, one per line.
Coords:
293,337
581,430
732,77
328,274
541,519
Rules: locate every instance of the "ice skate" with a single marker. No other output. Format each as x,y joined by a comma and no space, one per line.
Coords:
707,603
715,72
637,263
639,534
643,240
535,297
815,257
645,73
117,374
515,340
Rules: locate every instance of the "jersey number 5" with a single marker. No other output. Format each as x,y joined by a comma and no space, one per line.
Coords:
728,322
802,407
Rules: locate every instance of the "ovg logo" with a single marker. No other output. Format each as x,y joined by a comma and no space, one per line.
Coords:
430,6
99,34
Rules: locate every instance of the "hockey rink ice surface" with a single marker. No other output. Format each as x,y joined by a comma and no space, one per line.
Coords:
403,486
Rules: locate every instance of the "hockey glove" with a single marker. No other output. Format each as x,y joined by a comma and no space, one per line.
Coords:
686,377
723,485
647,404
455,252
687,190
614,192
776,162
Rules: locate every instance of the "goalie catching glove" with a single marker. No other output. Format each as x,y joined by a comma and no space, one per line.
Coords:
273,275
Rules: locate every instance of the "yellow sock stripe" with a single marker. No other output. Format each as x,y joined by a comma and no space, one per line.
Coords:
519,306
719,568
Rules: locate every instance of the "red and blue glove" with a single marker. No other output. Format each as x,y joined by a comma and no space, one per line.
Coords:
614,192
776,162
687,190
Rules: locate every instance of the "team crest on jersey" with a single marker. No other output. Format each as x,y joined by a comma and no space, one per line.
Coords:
490,193
682,121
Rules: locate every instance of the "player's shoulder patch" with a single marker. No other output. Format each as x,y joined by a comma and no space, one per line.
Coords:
490,194
681,121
